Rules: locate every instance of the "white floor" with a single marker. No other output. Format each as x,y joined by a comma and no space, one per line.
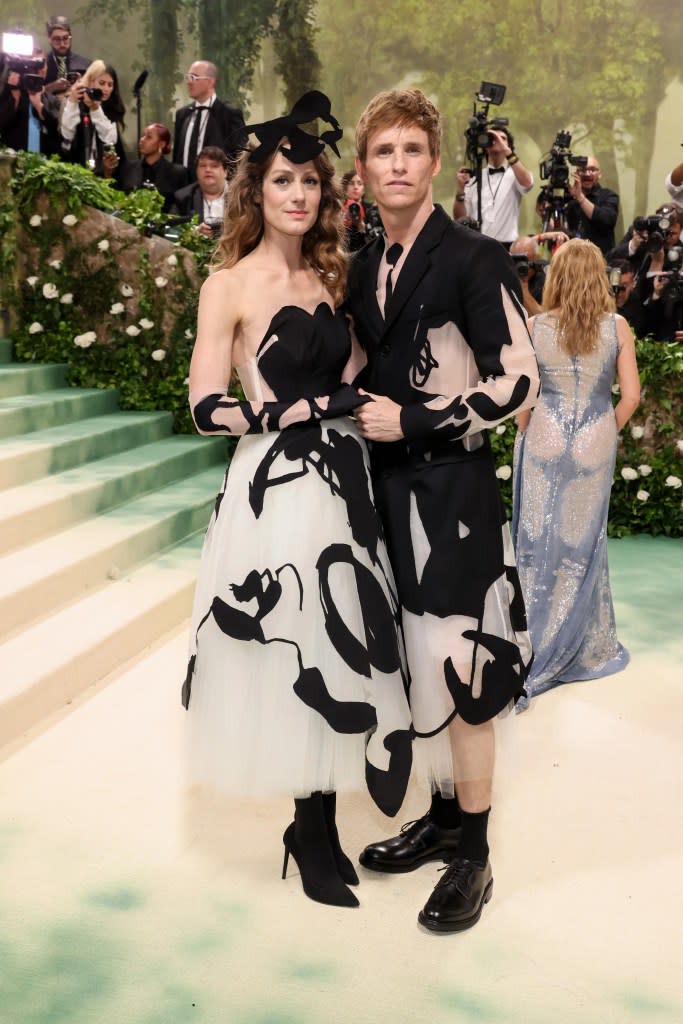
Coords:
125,900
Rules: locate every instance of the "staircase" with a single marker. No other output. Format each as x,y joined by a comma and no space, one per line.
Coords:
102,515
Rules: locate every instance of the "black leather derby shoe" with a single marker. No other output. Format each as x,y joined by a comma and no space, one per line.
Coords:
459,896
419,841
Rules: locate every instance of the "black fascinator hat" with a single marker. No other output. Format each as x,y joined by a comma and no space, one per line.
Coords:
303,146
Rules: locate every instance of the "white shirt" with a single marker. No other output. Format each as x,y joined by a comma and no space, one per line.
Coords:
500,202
214,208
201,110
675,191
71,116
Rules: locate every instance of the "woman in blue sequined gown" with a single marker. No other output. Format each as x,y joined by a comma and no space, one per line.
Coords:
564,464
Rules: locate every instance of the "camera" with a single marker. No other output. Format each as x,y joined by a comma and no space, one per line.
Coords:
614,280
525,265
555,166
72,76
477,134
94,94
17,56
655,227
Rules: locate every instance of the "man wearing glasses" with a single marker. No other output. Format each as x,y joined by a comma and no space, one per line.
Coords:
62,64
592,211
206,120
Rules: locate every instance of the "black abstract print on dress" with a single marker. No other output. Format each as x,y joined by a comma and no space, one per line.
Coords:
297,678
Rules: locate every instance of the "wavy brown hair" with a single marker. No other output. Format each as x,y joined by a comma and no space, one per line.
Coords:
577,287
322,246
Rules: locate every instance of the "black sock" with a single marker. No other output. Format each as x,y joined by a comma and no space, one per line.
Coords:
474,844
445,811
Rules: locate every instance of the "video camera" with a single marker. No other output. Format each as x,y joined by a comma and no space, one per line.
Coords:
477,134
17,56
525,265
554,167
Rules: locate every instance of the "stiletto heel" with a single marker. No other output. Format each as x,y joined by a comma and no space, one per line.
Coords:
306,839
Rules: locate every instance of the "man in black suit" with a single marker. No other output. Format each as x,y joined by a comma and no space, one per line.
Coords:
206,196
61,61
438,310
206,121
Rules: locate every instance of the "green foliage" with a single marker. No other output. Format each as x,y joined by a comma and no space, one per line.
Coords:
297,61
74,304
650,450
68,185
230,35
140,208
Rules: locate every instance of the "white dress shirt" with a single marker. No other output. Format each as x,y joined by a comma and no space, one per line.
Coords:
200,110
675,191
500,201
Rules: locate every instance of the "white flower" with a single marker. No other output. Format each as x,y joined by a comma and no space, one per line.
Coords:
145,323
190,334
50,291
616,389
158,354
628,473
645,470
500,429
186,381
33,281
172,260
161,282
126,290
35,328
103,245
504,472
116,308
679,444
69,220
133,331
643,495
36,220
55,263
637,433
67,298
671,481
85,340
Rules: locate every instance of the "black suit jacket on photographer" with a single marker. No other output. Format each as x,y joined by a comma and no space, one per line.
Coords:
74,62
14,122
224,128
166,177
600,227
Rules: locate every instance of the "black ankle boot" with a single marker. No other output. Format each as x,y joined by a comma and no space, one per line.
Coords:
308,842
344,865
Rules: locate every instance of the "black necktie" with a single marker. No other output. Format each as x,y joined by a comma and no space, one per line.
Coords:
392,257
496,170
194,138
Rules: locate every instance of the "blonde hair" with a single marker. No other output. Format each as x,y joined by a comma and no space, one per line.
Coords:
399,108
577,286
94,70
323,244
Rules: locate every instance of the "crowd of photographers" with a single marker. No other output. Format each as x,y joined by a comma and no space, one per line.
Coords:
62,103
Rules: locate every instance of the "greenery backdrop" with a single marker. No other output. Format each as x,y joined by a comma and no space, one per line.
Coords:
121,311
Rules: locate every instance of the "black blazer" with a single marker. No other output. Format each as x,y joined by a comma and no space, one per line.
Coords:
225,129
189,200
74,62
169,178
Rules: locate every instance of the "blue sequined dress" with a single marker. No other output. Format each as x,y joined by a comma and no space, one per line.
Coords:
564,464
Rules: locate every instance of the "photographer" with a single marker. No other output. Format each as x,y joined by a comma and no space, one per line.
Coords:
593,210
628,297
62,64
505,180
664,307
353,210
92,122
28,114
206,196
531,269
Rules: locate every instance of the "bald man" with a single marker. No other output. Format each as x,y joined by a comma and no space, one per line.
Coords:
206,120
592,211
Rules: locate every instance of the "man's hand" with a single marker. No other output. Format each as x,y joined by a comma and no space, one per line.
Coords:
500,143
575,187
380,419
462,178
